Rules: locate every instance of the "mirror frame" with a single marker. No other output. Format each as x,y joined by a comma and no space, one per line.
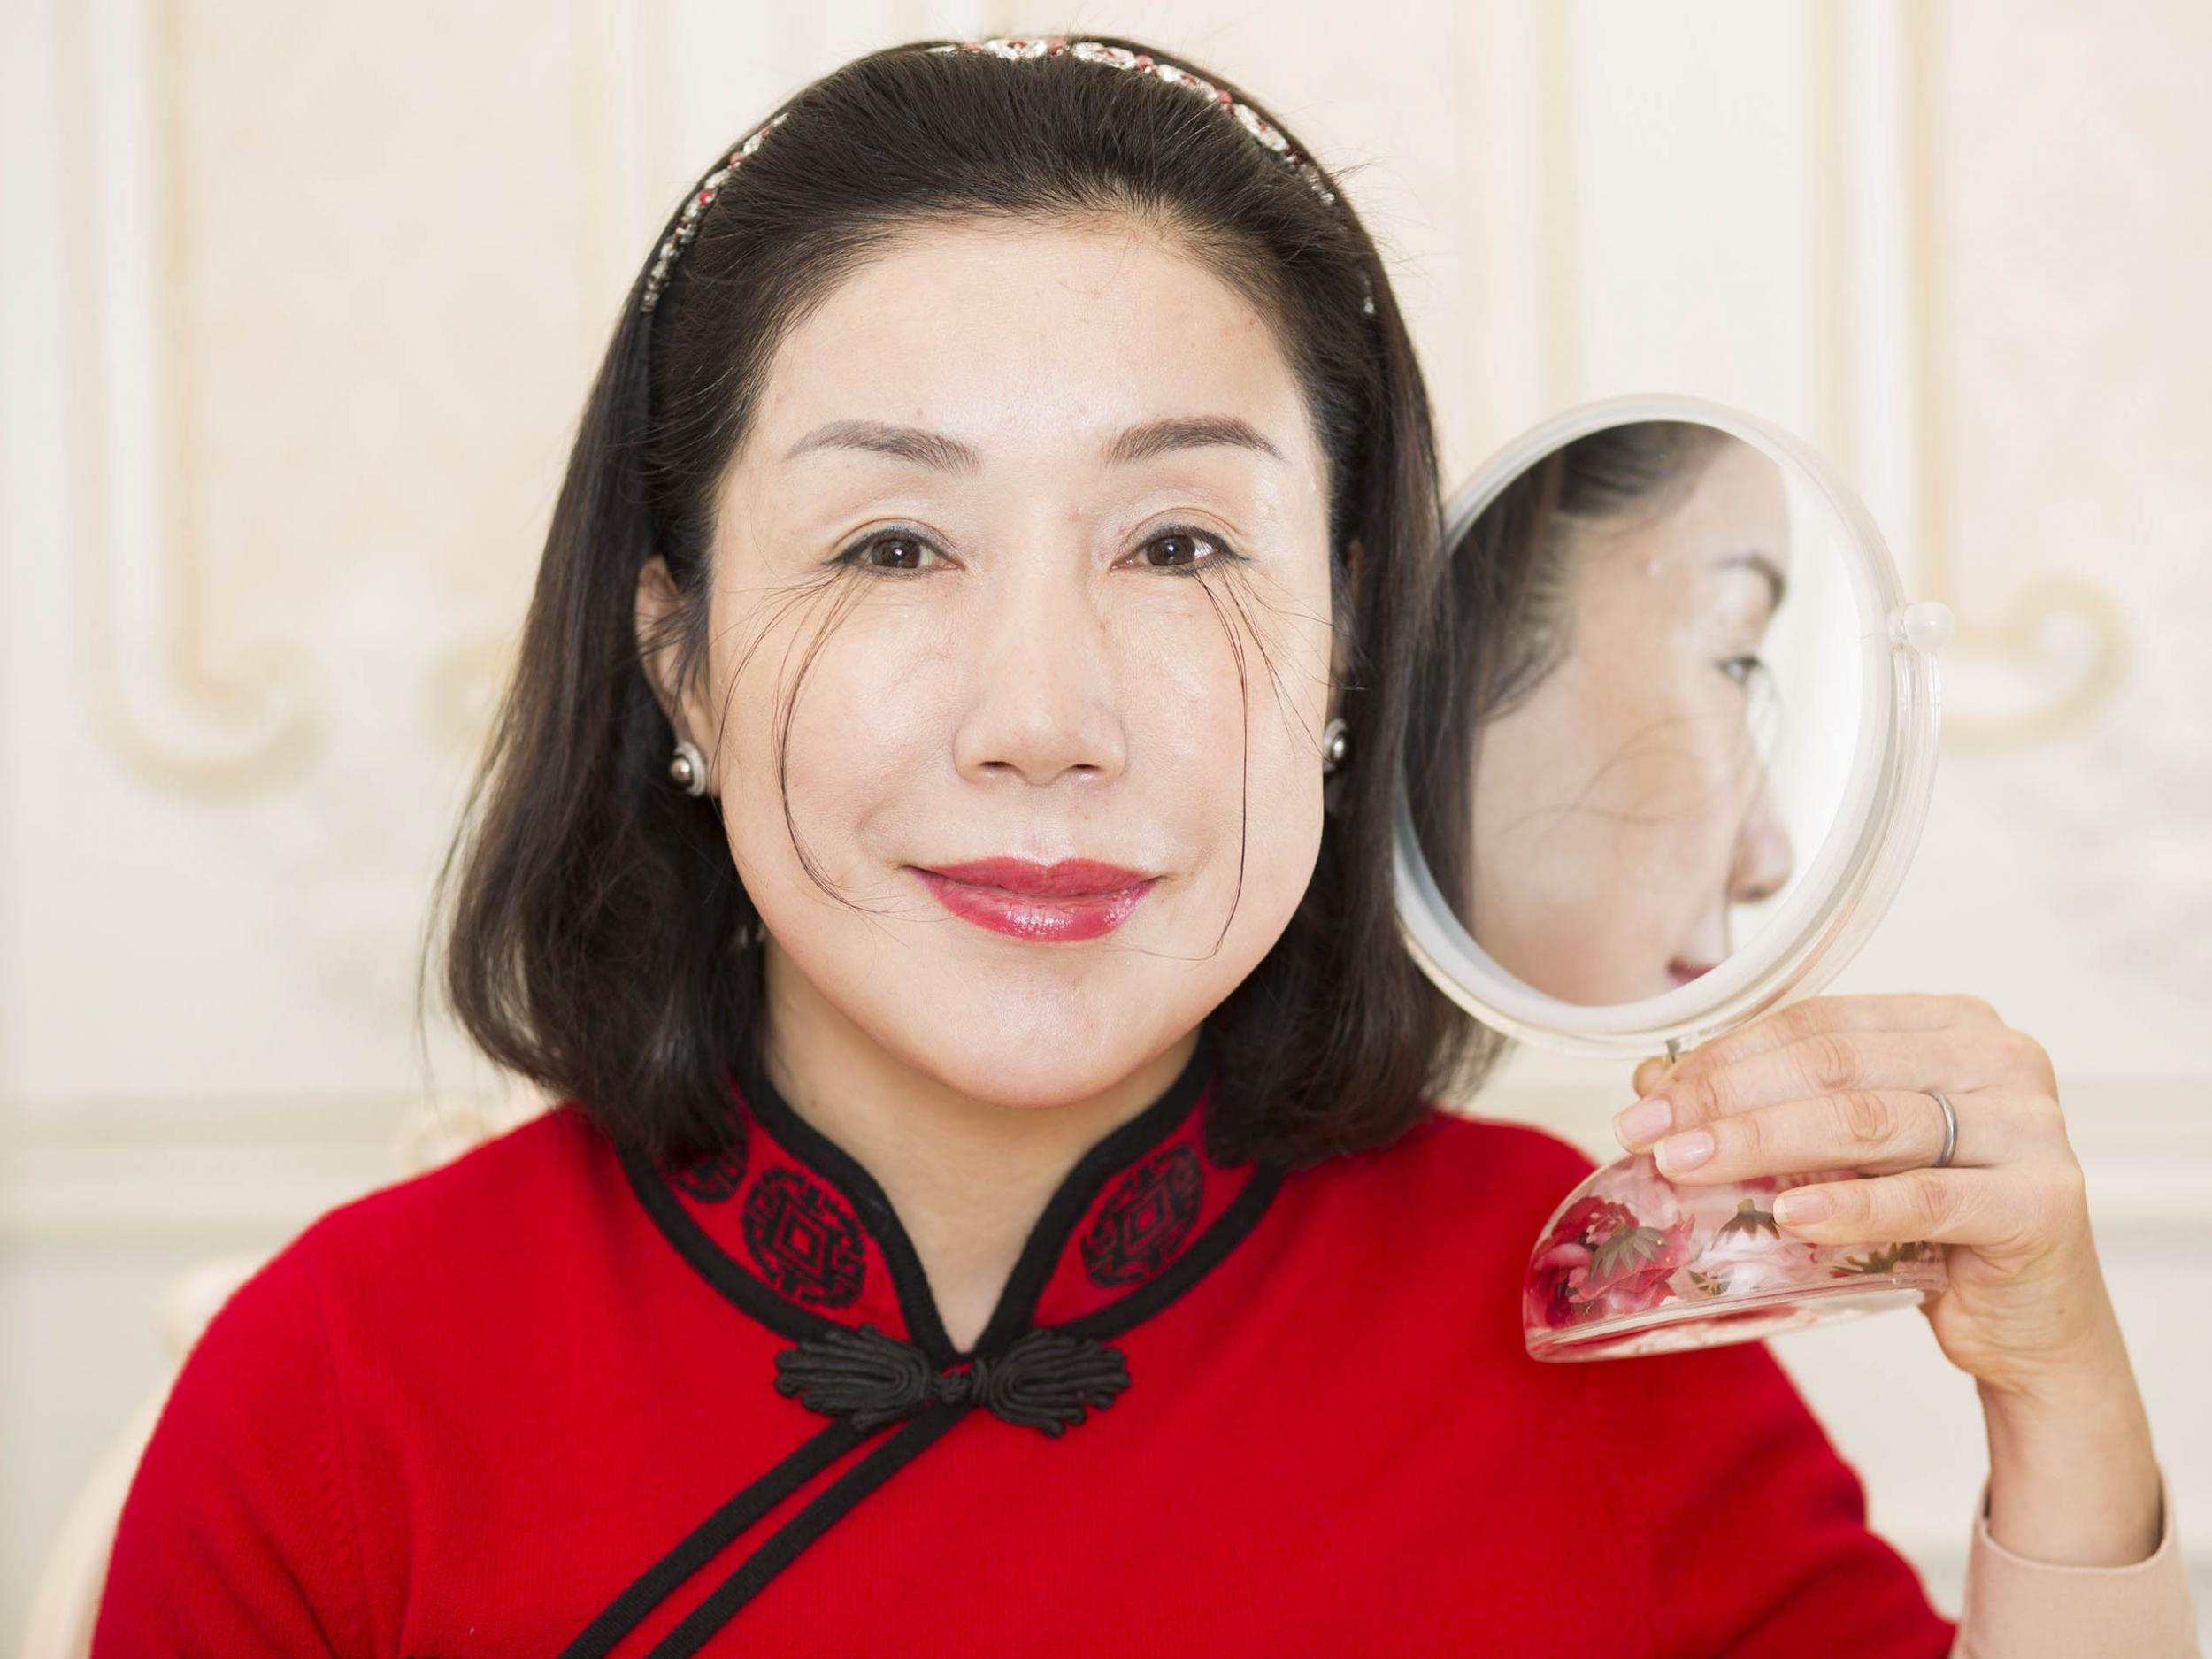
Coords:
1861,861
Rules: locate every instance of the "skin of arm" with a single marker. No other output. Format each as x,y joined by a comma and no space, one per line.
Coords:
2083,1435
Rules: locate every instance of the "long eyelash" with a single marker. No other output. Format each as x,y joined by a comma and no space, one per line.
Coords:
890,533
1224,553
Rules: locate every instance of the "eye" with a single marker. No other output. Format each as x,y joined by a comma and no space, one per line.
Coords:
1740,669
903,552
1185,551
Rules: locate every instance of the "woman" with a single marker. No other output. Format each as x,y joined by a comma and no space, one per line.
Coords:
996,1196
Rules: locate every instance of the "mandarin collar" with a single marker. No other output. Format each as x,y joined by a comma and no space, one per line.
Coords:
787,1224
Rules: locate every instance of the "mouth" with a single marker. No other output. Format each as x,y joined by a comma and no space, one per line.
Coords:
1682,972
1074,899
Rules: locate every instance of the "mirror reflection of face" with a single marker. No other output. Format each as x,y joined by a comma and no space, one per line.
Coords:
1623,805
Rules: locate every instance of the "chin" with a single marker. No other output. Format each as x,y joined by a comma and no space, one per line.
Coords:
1013,1067
1025,1034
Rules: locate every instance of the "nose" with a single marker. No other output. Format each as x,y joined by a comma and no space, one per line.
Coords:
1043,705
1763,855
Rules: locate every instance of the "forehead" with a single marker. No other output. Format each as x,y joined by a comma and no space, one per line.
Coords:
1738,504
1019,339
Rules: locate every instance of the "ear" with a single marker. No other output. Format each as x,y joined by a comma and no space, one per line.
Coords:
658,600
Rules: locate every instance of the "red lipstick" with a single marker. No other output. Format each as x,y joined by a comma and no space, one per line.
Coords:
1077,898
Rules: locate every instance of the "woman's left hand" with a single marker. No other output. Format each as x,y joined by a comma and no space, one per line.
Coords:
1841,1082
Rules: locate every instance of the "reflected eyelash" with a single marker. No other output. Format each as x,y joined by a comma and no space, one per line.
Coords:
1751,664
1224,554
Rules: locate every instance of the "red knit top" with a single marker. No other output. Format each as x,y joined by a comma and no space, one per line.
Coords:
550,1399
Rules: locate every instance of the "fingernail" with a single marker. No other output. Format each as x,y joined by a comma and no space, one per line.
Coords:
1686,1150
1801,1206
1646,1120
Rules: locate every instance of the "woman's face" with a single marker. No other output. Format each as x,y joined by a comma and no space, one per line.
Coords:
1021,443
1623,806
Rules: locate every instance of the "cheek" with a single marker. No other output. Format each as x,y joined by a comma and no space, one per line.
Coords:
1205,715
1670,765
808,725
872,716
1729,771
1232,708
1585,800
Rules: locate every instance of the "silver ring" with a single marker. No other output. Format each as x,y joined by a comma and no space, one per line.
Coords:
1950,1128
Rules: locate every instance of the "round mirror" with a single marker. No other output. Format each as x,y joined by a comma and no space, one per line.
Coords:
1668,760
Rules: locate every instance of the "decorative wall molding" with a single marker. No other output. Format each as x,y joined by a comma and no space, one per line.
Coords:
2064,637
161,707
156,696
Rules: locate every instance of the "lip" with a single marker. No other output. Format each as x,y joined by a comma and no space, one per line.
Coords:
1076,898
1682,972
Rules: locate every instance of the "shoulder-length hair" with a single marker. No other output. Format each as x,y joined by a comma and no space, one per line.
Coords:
601,942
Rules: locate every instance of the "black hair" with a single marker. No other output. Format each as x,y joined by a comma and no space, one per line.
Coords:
600,940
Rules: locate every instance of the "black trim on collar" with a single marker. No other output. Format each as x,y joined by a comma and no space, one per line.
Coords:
900,1447
1243,1214
778,1313
866,1195
1133,1233
1041,1252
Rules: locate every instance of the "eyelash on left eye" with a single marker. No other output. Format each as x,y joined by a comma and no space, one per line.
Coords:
1750,665
1224,554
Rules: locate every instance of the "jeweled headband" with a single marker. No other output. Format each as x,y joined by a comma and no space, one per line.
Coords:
1270,139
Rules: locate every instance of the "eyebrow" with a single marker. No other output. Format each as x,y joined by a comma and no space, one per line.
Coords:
948,454
906,443
1187,432
1761,564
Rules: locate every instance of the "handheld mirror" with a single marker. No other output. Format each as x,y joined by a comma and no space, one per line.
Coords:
1664,772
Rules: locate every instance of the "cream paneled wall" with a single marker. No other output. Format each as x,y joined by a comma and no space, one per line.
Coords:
298,305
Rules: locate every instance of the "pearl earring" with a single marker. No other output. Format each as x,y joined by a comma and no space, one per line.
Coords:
687,768
1334,743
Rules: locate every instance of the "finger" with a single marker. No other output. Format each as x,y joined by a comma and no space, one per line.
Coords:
1874,1132
1821,1015
1955,1059
1978,1207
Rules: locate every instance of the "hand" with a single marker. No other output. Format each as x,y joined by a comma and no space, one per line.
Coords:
1839,1083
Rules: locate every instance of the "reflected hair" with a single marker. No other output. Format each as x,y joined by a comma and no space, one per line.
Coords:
597,938
1501,623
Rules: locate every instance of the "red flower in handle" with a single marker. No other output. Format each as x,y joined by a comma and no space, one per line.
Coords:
1599,1262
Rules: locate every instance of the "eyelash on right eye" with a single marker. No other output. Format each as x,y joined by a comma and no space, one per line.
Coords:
852,554
1750,665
